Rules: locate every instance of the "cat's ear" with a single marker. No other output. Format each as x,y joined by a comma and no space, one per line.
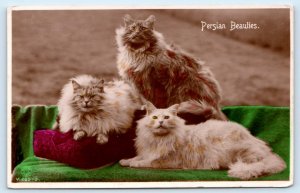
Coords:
75,85
100,84
149,22
173,109
128,20
149,107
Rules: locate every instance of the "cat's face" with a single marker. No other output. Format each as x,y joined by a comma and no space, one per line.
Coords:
87,98
139,33
160,122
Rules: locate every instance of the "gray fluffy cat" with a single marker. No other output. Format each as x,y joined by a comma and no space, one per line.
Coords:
90,107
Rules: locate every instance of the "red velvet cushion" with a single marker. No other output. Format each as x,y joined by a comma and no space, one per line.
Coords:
85,153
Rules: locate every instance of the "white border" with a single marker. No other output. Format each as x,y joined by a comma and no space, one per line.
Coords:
292,95
9,93
22,8
183,184
191,184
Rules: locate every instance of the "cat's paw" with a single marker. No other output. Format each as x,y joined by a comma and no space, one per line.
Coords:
124,162
102,139
139,164
242,173
79,135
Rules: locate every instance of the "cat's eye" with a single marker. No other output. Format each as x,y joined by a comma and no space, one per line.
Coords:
142,28
166,117
154,117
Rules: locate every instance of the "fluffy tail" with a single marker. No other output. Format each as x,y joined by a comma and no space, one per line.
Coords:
201,109
269,165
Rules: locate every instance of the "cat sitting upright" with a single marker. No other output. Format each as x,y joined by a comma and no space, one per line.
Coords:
163,74
164,141
91,107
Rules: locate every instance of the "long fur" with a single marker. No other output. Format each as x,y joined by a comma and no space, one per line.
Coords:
114,113
213,144
164,74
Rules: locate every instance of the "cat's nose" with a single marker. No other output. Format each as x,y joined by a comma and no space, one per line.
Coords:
160,122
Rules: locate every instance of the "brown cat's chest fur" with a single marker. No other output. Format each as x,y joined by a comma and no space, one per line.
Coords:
160,83
151,86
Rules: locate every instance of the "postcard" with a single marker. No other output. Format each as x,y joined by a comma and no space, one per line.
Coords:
150,97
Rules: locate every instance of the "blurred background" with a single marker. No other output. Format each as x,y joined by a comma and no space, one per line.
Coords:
252,66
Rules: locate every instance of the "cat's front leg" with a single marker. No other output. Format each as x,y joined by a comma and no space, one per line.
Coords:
126,162
79,134
141,164
102,138
143,161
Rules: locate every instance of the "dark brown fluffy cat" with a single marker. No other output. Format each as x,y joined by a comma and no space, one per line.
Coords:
163,74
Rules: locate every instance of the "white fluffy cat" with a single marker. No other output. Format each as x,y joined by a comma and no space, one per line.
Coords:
164,141
91,107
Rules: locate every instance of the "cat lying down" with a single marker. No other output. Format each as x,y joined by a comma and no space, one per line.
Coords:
164,141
